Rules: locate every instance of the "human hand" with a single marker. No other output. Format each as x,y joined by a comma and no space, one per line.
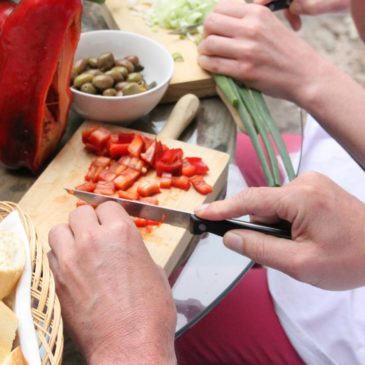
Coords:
248,43
310,7
327,248
116,302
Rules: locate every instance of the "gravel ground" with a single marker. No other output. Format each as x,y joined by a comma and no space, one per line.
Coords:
335,37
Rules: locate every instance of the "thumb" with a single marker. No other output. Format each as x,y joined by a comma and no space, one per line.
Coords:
278,253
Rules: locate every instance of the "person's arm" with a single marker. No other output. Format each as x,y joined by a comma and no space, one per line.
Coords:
116,303
248,43
328,235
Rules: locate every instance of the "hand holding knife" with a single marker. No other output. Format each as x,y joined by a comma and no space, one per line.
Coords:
178,218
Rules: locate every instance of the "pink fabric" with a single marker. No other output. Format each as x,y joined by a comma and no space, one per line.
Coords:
248,162
242,329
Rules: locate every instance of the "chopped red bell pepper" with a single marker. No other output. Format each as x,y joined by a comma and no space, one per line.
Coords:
152,152
96,167
136,146
37,44
106,175
126,179
166,180
117,150
148,188
181,182
129,195
117,168
87,186
200,185
188,169
201,167
105,188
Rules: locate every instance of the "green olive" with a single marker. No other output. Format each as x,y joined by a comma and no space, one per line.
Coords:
125,63
134,77
120,85
131,89
115,74
123,70
103,82
138,68
106,61
120,93
88,88
110,92
134,59
94,72
92,62
82,79
80,66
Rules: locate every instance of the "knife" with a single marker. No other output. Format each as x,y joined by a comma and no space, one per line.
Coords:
276,5
179,218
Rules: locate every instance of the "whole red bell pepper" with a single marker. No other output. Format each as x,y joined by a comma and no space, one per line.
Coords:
38,39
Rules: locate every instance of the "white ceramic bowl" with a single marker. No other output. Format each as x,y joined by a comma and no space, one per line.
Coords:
158,66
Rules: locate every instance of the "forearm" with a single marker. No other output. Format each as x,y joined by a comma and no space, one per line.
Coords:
338,103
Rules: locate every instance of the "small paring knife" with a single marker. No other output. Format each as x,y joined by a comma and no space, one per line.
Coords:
276,5
179,218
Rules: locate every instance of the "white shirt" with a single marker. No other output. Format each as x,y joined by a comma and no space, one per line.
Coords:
325,327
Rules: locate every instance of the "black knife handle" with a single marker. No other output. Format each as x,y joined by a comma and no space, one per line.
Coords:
219,228
276,5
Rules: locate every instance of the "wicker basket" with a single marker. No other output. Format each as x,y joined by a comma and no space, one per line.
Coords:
46,309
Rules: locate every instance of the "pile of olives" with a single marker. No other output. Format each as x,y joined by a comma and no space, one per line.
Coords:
109,76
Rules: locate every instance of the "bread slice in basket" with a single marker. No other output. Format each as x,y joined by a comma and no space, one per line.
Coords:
12,261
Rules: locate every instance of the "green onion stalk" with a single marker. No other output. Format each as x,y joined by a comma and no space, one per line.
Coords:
259,124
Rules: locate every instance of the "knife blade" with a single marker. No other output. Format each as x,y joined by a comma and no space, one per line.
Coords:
179,218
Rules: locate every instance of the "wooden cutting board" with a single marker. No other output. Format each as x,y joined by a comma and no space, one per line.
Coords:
188,75
48,204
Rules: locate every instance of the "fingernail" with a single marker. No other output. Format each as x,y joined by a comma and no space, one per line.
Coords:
234,242
201,208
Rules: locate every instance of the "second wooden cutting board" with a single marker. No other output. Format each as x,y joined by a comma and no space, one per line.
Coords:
188,75
48,204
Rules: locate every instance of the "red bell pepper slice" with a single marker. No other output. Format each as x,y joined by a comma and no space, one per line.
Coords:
148,188
136,146
200,185
166,180
117,168
39,38
181,182
188,169
106,175
201,167
87,186
129,195
152,152
96,167
117,150
105,188
126,179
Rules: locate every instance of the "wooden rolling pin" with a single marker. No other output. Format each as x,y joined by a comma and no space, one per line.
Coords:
181,116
